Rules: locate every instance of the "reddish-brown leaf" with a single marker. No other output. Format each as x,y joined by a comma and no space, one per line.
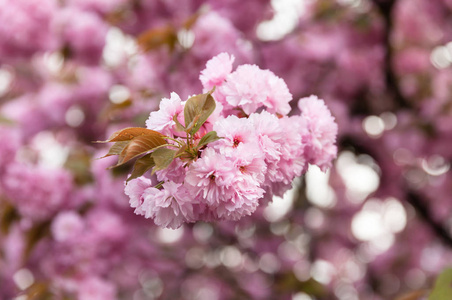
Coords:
157,37
129,133
140,145
116,149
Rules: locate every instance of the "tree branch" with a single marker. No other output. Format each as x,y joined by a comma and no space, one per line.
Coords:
392,86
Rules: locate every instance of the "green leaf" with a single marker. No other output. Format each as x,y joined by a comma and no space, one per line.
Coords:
443,286
197,109
184,154
139,146
130,133
192,124
141,166
208,138
162,158
179,126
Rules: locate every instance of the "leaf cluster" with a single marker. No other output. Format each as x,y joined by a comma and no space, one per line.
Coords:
153,150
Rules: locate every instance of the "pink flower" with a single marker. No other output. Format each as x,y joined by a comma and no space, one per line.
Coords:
293,160
278,95
135,189
106,225
243,202
269,133
321,133
243,88
211,177
32,190
162,120
26,27
84,32
217,68
170,207
251,164
237,134
250,88
174,172
215,34
67,225
95,288
219,182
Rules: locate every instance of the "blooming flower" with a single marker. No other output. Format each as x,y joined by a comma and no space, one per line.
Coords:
94,288
211,177
169,207
135,189
216,71
321,133
67,225
243,88
162,120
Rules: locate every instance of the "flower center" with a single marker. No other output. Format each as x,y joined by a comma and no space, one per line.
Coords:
236,142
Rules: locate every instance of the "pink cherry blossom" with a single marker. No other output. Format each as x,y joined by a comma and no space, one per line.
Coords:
243,88
162,120
321,132
169,207
216,71
67,225
211,177
135,189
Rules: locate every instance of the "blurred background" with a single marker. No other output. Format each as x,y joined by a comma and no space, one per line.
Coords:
377,225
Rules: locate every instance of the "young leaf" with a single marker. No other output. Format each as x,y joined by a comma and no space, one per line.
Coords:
162,158
116,149
185,155
141,166
158,37
197,109
208,138
179,126
443,286
192,124
140,145
129,133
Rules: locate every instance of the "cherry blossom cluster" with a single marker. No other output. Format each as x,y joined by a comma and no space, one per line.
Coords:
240,150
74,71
